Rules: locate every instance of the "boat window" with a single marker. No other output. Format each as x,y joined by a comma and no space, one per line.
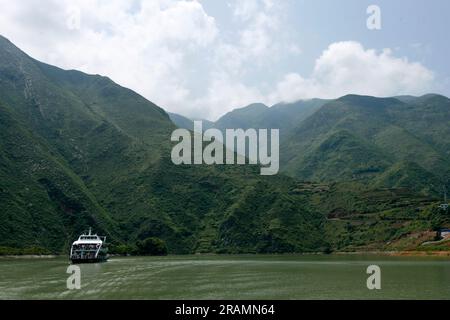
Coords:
89,238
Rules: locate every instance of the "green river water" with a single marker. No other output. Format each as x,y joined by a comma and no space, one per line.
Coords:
229,277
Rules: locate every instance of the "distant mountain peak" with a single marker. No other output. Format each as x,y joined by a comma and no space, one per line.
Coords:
258,106
4,40
369,101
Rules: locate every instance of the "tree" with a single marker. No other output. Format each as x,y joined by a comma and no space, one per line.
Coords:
152,246
122,249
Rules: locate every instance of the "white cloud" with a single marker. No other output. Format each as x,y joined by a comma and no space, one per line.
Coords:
225,94
173,53
256,45
139,44
346,67
245,10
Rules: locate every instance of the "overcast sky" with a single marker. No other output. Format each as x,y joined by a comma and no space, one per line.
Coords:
203,58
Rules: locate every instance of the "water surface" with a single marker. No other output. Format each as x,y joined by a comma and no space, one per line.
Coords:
229,277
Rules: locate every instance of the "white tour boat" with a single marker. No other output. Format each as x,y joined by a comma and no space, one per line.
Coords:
89,248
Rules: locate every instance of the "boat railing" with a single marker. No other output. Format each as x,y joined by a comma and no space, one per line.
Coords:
85,251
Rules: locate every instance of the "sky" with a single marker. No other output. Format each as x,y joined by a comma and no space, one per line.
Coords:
203,58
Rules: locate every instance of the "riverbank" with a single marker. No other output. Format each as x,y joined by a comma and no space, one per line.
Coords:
30,256
399,253
340,253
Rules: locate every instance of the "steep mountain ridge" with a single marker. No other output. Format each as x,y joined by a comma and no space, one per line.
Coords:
79,150
391,127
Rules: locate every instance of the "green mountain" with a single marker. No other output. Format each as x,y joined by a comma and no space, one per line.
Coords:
186,123
282,116
181,121
378,165
385,142
78,150
247,117
363,218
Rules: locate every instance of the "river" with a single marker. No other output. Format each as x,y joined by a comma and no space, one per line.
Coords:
229,277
